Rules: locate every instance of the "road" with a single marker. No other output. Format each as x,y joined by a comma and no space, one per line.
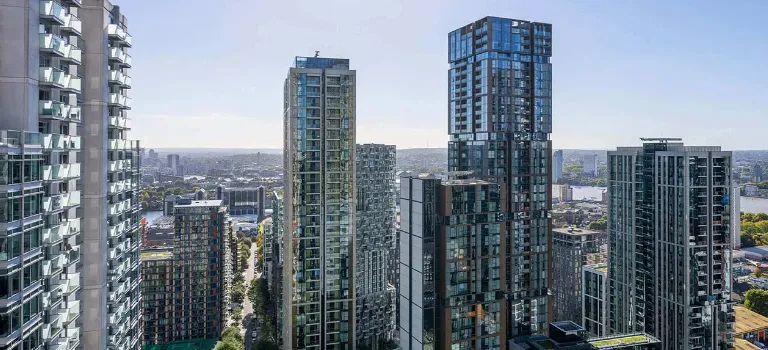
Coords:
250,274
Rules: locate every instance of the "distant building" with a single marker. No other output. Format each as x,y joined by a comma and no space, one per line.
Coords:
557,165
751,190
594,296
749,325
566,193
590,164
375,239
446,258
152,154
570,248
736,216
243,200
173,163
200,265
757,173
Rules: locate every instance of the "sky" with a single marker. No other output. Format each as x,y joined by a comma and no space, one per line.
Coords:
210,73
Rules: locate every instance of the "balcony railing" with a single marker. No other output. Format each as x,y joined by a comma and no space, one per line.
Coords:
57,78
120,122
61,142
54,44
61,171
55,109
72,25
70,310
115,54
52,12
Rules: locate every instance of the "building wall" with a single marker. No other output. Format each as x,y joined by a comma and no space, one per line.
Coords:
158,303
570,250
375,215
319,117
499,121
594,293
110,215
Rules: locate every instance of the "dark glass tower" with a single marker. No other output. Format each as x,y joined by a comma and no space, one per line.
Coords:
499,121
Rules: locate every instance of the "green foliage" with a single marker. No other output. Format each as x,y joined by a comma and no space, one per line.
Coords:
230,340
757,301
599,225
238,292
154,195
572,174
754,229
237,314
762,185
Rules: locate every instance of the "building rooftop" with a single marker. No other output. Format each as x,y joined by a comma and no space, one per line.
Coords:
748,321
622,341
157,255
203,203
321,62
194,344
742,344
575,231
598,267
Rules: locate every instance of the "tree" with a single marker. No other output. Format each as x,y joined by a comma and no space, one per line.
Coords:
757,301
238,292
258,294
757,272
265,345
231,333
237,314
228,346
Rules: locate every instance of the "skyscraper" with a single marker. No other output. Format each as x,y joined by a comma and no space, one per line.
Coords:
670,243
55,261
500,120
110,210
319,205
590,165
557,165
570,247
375,216
452,276
187,286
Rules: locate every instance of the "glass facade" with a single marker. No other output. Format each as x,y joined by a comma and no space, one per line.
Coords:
375,242
451,264
319,199
670,244
499,121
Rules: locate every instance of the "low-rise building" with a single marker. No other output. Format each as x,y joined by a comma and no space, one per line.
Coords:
749,325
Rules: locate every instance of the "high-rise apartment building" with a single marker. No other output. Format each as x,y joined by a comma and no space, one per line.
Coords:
51,53
590,165
500,120
319,213
276,262
669,226
736,215
557,165
173,163
594,299
243,200
570,248
110,210
375,215
186,287
452,273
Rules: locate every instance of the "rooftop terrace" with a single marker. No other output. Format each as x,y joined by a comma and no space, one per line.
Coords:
157,255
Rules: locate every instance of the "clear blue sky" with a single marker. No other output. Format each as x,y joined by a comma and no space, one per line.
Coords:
210,73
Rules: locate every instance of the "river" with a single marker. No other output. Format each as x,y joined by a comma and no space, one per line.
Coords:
748,204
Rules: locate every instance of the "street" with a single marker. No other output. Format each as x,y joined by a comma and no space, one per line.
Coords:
250,274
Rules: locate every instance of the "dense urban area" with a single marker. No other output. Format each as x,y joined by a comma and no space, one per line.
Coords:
495,240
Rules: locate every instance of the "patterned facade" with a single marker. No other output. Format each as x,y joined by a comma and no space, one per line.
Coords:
375,241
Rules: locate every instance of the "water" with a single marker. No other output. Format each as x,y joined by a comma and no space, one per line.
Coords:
748,204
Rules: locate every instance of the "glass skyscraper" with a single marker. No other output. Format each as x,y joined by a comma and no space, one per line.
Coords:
500,120
319,212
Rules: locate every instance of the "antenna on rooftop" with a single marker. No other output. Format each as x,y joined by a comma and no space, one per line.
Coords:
317,53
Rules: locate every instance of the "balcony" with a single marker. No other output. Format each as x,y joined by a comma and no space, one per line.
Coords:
119,100
57,78
52,236
70,282
58,110
119,144
61,142
73,337
74,254
70,227
55,45
117,55
52,12
52,330
72,25
69,311
54,265
61,172
120,122
52,298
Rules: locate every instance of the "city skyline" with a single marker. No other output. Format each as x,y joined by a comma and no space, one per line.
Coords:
404,57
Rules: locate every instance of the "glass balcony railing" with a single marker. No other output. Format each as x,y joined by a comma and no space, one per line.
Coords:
69,311
120,100
118,144
73,337
120,122
54,44
56,109
51,298
53,265
52,12
52,236
57,78
115,54
52,329
61,142
72,25
70,227
70,282
61,172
